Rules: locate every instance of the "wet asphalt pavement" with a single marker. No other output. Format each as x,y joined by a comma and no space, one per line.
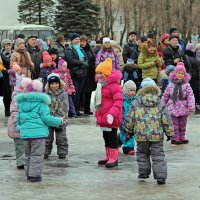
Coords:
78,177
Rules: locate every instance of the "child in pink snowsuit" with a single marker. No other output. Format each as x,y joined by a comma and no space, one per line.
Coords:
108,104
180,101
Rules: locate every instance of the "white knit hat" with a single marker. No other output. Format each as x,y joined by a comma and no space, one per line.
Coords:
106,39
129,85
148,82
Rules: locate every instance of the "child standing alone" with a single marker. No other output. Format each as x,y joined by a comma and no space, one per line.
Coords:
55,89
148,120
180,101
108,104
34,118
128,143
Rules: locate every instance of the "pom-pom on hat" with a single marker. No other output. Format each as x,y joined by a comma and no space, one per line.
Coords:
16,67
74,35
51,78
129,85
169,69
180,67
32,85
148,82
164,37
105,67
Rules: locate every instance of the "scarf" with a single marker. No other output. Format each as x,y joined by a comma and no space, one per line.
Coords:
24,59
98,94
78,50
177,93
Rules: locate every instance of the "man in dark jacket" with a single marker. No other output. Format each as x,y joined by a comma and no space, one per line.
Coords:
130,50
36,55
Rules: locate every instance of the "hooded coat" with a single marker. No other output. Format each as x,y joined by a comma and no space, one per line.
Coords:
34,115
112,101
148,119
145,60
180,107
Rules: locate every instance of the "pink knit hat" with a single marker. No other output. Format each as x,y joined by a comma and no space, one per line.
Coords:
32,85
61,62
16,67
180,67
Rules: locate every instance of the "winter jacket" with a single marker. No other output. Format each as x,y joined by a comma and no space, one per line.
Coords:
170,53
74,63
59,105
180,107
44,72
112,101
101,56
145,60
16,57
130,50
12,120
60,48
148,119
34,115
66,78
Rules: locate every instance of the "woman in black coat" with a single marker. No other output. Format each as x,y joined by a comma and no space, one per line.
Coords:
5,88
90,84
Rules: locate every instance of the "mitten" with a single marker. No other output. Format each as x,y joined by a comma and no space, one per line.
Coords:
110,118
64,123
18,127
169,138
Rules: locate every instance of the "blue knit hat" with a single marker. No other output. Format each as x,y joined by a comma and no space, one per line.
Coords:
73,36
51,78
148,82
169,69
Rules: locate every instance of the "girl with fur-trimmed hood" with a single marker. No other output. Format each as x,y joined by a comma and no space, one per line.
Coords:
148,120
180,101
149,61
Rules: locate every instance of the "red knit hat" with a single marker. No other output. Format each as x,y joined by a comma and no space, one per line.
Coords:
46,58
164,36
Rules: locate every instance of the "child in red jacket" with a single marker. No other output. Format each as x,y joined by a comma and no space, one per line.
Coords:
108,104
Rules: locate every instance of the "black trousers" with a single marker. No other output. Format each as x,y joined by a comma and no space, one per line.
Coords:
110,138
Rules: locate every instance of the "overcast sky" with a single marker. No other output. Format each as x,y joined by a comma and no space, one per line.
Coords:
8,12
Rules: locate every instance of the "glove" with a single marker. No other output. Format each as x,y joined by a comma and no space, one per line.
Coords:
169,138
110,118
64,122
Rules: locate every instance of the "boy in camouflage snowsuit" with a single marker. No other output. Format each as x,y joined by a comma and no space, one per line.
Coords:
148,120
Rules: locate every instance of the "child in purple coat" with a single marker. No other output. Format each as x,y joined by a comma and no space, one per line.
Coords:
180,101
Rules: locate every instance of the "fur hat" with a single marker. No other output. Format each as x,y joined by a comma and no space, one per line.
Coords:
191,47
51,78
4,42
129,85
164,37
19,41
46,58
105,67
16,67
32,85
169,69
74,35
180,67
106,39
148,82
61,62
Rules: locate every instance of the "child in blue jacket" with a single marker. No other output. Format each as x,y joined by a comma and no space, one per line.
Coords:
128,143
34,118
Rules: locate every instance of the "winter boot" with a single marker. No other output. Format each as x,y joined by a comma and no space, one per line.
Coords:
34,179
143,176
128,150
176,142
161,181
106,158
185,141
113,158
62,156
